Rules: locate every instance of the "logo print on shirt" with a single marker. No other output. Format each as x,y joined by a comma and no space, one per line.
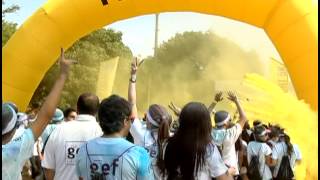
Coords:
71,150
104,166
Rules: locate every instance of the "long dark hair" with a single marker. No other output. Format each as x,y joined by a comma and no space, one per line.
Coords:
186,150
161,115
288,143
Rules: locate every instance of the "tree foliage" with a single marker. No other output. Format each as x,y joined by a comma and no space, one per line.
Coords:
187,68
8,28
89,51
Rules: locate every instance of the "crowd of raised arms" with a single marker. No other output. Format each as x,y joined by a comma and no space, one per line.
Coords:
108,139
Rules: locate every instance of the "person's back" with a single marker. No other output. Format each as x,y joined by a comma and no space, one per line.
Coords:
15,152
111,156
114,158
280,150
65,141
261,150
227,138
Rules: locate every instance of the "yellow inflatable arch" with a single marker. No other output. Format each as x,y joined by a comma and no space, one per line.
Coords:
290,24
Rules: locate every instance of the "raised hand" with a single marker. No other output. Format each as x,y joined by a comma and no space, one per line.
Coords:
218,97
134,65
232,97
175,109
65,63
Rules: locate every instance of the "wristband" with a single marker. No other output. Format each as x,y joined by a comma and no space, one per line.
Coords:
133,81
133,78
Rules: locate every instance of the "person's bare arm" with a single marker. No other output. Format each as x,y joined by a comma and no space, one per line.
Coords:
270,162
48,108
132,94
217,98
175,109
242,117
228,175
49,173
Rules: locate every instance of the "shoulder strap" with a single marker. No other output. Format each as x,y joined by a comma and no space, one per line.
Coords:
285,153
45,143
113,159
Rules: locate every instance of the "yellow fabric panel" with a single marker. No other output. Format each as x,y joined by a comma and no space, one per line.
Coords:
106,77
295,40
304,74
298,47
15,95
286,14
228,8
14,73
61,23
257,12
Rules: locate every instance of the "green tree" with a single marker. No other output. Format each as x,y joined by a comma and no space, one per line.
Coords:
187,68
89,51
8,28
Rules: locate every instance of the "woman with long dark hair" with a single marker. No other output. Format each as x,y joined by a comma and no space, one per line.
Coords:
190,154
285,147
153,130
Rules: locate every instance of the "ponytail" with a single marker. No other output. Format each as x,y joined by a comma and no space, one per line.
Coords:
163,134
288,143
163,119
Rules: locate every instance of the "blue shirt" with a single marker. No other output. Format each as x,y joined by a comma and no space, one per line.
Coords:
101,155
15,153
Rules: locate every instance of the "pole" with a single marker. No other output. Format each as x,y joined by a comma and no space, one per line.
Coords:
156,35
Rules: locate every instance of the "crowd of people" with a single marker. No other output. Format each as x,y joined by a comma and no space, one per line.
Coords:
108,139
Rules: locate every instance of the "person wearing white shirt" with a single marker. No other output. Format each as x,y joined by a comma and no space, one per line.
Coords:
225,137
64,142
274,136
152,134
190,153
16,152
260,149
282,148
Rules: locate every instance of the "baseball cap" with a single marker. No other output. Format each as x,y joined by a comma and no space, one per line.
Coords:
9,118
58,115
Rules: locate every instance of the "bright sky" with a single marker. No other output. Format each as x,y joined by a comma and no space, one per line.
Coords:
247,36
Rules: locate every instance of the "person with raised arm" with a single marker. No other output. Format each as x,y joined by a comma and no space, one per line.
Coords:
155,131
224,137
16,151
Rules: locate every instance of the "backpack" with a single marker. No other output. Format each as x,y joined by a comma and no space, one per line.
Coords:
285,172
253,169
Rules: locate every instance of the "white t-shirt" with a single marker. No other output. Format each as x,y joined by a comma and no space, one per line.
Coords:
114,158
278,152
64,143
264,150
227,138
273,143
147,139
15,154
214,165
